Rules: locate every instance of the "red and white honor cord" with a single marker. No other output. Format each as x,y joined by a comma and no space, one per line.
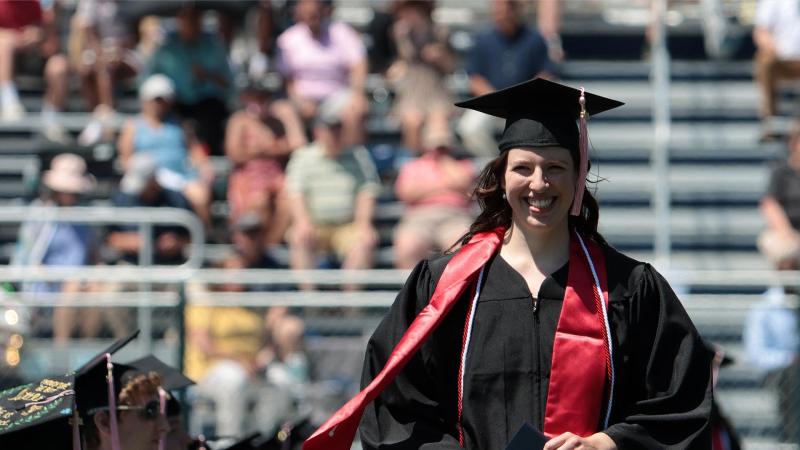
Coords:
462,367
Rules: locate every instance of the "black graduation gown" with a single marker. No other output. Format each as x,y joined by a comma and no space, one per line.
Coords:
662,397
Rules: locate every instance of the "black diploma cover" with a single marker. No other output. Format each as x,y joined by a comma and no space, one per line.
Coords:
527,438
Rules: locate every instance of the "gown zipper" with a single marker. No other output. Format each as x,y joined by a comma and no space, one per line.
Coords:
537,361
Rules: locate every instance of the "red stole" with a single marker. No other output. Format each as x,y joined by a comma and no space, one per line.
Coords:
581,359
338,431
580,394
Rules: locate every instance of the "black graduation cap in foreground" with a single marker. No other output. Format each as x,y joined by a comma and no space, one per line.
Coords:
172,379
40,415
539,113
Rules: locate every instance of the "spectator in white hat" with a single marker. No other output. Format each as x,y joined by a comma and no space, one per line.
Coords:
43,241
181,163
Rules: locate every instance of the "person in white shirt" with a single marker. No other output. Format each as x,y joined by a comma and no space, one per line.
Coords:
777,38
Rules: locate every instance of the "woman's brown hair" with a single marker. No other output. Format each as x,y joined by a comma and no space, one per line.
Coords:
496,212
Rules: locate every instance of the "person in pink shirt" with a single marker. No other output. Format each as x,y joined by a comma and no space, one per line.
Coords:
320,58
434,189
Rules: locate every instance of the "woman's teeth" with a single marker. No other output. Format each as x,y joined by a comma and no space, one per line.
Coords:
541,203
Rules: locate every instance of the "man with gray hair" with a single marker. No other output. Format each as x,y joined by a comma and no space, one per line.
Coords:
332,190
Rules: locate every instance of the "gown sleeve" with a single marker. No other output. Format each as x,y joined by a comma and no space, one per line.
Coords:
409,414
669,393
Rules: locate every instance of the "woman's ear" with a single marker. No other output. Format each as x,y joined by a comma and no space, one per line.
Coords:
102,422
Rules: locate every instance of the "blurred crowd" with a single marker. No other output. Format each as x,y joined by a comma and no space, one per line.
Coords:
279,95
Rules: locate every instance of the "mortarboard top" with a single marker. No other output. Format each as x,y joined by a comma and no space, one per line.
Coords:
539,113
39,414
171,379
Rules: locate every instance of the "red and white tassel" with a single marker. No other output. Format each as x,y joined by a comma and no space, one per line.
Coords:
583,169
112,405
76,432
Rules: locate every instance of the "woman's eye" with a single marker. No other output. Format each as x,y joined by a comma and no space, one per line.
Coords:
520,169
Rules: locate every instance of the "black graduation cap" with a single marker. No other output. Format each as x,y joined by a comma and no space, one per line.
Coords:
171,379
539,113
39,415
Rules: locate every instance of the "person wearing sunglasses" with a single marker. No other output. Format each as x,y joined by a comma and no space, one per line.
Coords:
140,420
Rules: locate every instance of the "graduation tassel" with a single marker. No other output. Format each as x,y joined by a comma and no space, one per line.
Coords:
583,170
76,433
162,407
112,405
76,422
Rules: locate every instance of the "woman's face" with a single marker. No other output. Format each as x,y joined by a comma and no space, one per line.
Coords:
539,184
142,429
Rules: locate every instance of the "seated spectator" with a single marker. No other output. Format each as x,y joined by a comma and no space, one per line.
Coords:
230,348
380,44
249,243
221,354
258,141
320,58
282,356
435,190
29,42
772,339
140,187
197,63
181,163
417,76
780,206
101,50
777,38
332,190
507,53
44,242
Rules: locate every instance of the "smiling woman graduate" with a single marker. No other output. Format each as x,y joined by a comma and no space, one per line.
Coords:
535,318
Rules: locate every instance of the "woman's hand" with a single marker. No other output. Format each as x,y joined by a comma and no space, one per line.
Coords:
569,441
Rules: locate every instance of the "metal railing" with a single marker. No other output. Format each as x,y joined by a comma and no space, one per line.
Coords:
143,218
724,312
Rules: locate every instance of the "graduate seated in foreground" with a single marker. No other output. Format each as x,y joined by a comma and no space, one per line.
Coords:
140,421
100,406
535,318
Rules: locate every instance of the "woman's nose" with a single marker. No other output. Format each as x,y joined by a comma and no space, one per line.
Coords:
538,181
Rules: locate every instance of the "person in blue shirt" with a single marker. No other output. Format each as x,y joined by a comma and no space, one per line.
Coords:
507,53
197,63
44,241
772,341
